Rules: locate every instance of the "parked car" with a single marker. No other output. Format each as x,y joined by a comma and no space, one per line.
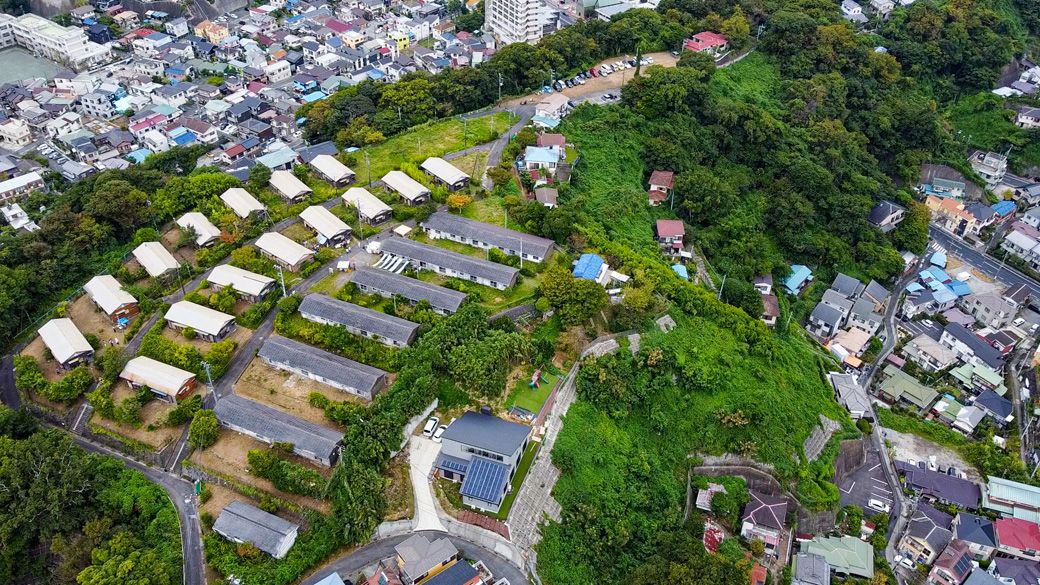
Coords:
431,426
440,432
873,503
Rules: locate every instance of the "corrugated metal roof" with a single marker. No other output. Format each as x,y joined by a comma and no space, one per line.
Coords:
331,168
106,291
241,202
505,239
355,316
64,339
205,231
404,185
369,205
243,281
287,185
271,424
412,289
144,371
324,222
283,248
155,259
461,263
244,523
443,170
343,373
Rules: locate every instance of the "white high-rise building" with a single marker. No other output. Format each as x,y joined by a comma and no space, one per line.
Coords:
66,45
517,21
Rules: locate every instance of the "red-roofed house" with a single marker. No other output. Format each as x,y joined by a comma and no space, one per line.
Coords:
758,575
707,42
549,140
1018,538
233,152
670,233
660,186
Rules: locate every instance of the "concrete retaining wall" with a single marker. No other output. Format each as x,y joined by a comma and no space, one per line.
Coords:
414,424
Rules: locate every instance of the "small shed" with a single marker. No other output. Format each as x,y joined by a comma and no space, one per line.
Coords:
65,342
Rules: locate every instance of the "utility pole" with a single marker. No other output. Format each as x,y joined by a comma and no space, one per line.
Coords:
209,375
500,86
369,165
465,132
281,276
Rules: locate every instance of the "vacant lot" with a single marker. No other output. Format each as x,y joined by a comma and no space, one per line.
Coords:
153,413
222,496
89,319
38,351
473,164
182,254
298,232
227,457
400,502
434,139
240,335
286,392
907,446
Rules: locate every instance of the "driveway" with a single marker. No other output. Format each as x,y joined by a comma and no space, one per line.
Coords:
918,327
422,457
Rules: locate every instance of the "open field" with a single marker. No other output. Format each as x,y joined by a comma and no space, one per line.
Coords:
169,241
434,139
152,413
227,457
286,392
492,298
473,164
298,232
221,497
400,501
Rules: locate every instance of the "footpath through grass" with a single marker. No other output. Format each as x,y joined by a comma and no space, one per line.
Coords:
434,139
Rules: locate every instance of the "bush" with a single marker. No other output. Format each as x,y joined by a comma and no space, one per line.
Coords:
28,375
864,426
204,430
286,476
71,387
184,411
207,520
205,494
268,504
189,333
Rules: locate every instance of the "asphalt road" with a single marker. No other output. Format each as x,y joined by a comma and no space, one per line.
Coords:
986,264
349,565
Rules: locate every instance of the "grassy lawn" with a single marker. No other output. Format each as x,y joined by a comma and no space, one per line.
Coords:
518,480
435,139
327,285
523,396
493,299
491,210
754,79
472,164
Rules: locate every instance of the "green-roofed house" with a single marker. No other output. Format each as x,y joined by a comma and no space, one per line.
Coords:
1012,498
979,378
847,555
898,385
956,415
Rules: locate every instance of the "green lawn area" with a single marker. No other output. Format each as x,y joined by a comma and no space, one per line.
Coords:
327,285
491,209
754,80
434,139
493,299
518,480
473,164
523,396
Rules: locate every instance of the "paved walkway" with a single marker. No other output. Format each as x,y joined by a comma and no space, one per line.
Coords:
535,501
423,454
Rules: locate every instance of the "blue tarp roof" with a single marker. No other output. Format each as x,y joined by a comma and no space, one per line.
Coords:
485,480
588,266
959,288
939,259
681,271
799,274
1004,208
139,155
314,96
547,121
541,154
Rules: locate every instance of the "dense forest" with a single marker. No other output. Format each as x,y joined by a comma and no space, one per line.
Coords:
68,517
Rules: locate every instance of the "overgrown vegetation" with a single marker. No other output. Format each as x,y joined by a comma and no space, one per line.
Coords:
72,517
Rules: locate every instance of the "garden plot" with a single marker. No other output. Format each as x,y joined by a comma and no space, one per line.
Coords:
286,391
228,458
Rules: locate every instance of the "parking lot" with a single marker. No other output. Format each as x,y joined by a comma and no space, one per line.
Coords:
867,484
926,326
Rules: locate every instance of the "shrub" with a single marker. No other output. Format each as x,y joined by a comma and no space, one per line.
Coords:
204,430
207,520
205,494
71,387
28,375
184,411
268,504
189,333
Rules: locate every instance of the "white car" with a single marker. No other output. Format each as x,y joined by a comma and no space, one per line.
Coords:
439,433
879,505
431,426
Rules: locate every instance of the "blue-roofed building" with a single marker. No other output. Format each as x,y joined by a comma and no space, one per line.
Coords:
314,96
799,277
959,288
914,287
182,136
938,259
376,75
589,267
279,160
332,579
139,155
681,271
546,122
482,452
1005,208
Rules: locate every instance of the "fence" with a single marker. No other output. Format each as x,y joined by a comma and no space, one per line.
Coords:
414,424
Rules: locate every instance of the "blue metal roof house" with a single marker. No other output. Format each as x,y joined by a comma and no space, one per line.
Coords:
588,267
139,155
482,451
938,259
799,277
1005,208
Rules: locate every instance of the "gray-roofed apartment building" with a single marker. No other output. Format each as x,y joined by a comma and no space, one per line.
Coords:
319,365
239,522
269,425
448,263
359,320
482,451
485,235
387,284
